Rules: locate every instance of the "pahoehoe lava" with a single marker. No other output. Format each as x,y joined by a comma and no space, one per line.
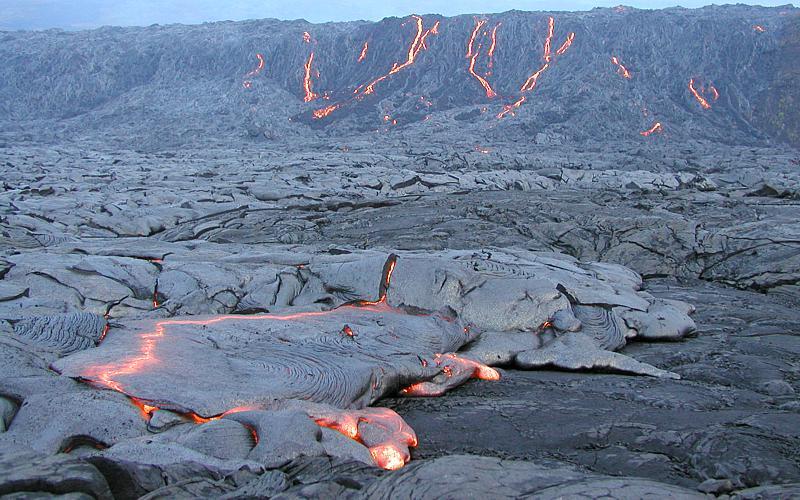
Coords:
547,254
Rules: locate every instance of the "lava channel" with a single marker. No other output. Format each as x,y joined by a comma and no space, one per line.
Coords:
473,53
363,56
652,130
702,100
621,69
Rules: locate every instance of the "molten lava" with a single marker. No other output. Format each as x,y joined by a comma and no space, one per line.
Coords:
418,44
306,37
363,54
621,70
307,83
697,95
655,128
758,28
248,82
493,48
714,92
473,53
322,113
533,79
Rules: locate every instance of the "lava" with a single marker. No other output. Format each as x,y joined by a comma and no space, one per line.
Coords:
306,37
388,456
492,48
363,54
758,28
714,92
655,128
473,54
621,70
697,95
323,112
307,84
566,45
248,82
533,79
451,365
551,26
418,44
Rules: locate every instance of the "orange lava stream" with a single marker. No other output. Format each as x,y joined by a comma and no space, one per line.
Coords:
247,83
655,128
322,113
532,80
566,45
697,95
551,26
473,54
416,46
714,91
492,48
307,84
621,70
363,54
758,28
479,23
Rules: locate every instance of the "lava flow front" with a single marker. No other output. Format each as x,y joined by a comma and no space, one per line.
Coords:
652,130
158,353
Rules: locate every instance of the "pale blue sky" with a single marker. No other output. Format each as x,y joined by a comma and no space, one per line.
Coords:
78,14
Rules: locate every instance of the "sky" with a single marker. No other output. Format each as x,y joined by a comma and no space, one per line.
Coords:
82,14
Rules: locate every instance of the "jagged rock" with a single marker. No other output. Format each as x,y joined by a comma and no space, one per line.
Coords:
33,474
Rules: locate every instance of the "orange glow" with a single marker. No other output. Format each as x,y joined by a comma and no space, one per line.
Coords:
509,108
322,113
480,371
146,410
566,45
490,93
621,70
388,456
759,28
492,48
714,92
697,95
364,50
470,46
530,83
307,84
532,80
246,84
307,37
413,50
551,26
546,325
655,128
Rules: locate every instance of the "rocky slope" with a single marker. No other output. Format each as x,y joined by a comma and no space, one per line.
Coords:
171,85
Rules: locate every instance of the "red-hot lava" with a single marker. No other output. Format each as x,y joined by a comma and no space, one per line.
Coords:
703,102
450,364
323,112
248,82
655,128
418,44
307,82
363,54
533,79
306,37
473,53
621,70
714,92
758,28
493,48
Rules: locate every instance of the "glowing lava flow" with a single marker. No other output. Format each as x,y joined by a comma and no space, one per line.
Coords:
247,83
492,48
655,128
307,84
414,49
714,92
306,37
363,54
697,95
758,28
621,70
323,112
532,80
473,54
